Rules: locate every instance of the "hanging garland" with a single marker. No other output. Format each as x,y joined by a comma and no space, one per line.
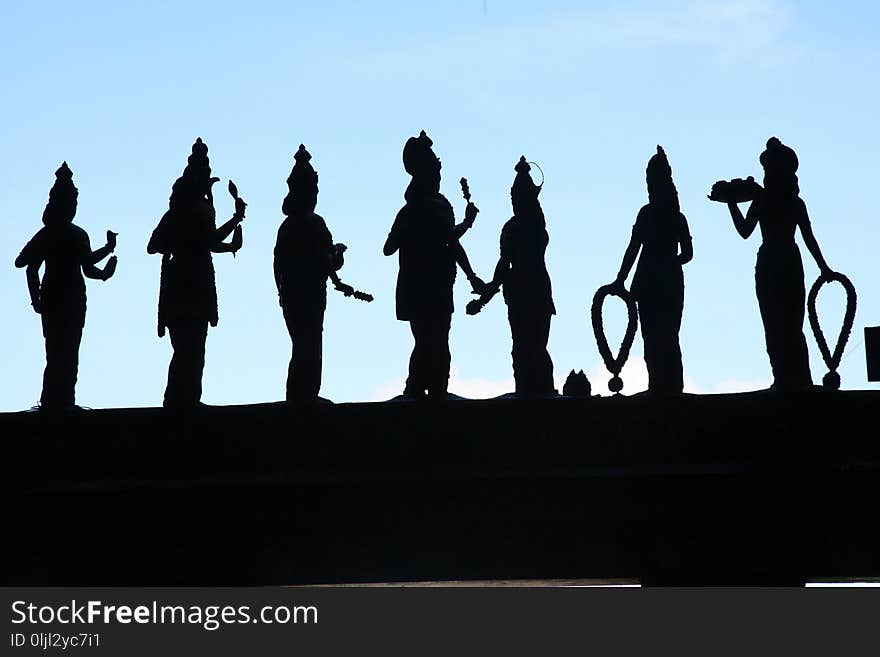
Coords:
612,364
832,379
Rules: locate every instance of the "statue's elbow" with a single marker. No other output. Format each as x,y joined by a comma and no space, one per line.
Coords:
155,246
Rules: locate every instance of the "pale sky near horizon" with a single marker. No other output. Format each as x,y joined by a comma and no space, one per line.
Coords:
586,89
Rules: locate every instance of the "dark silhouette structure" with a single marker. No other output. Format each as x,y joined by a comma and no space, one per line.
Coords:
779,272
872,352
727,489
576,385
60,298
305,256
683,489
662,236
425,234
186,237
522,272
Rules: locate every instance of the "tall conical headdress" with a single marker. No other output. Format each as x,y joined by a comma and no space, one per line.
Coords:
523,184
198,164
197,170
61,196
302,172
661,187
63,187
302,184
658,168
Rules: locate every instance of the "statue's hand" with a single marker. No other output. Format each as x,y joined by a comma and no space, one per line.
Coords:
37,305
237,239
345,288
111,239
110,269
478,286
470,212
826,273
474,306
240,206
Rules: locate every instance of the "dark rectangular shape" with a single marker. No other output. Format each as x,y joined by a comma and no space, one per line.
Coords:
752,488
392,621
872,352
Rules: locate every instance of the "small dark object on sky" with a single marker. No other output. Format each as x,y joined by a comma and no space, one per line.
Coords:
735,191
577,385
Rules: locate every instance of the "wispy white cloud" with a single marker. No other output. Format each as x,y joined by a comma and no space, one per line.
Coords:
468,387
736,34
734,385
479,388
634,375
387,390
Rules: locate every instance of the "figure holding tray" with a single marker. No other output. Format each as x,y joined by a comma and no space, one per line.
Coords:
779,272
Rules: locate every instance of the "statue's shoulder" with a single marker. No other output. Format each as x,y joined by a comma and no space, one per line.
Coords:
76,234
40,235
444,203
34,249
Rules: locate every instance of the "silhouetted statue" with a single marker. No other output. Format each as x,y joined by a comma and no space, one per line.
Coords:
425,233
779,272
305,256
186,236
60,298
522,272
661,234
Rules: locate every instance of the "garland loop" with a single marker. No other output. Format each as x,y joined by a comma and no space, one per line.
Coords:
612,364
832,360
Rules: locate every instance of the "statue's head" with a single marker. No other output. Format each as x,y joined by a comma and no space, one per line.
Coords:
198,168
63,196
420,161
302,185
195,182
524,192
780,164
661,188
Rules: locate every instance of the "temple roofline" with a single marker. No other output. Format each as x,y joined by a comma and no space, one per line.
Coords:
745,488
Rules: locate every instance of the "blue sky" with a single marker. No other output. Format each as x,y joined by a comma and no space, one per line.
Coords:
587,90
